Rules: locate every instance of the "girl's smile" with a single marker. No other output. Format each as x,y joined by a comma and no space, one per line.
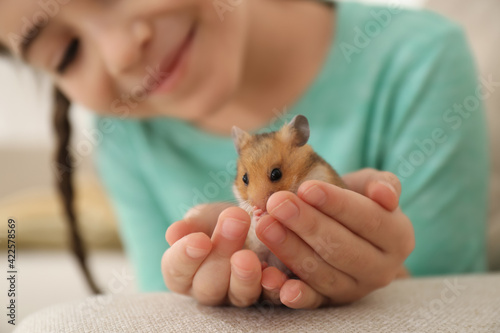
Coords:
174,65
99,51
215,69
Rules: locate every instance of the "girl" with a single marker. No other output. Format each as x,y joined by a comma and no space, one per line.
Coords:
383,89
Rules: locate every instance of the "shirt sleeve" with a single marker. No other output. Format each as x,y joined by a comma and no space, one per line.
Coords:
141,224
437,146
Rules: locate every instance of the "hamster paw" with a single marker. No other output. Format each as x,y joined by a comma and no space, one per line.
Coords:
257,211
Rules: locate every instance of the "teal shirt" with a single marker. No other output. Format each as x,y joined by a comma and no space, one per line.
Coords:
397,92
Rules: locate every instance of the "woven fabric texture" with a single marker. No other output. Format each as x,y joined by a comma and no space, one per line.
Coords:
466,303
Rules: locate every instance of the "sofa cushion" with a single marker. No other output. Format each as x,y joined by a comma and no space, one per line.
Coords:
466,303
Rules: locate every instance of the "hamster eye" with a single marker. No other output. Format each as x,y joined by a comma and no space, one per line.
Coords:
275,175
245,179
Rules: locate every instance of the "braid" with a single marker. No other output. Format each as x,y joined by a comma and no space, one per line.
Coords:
65,183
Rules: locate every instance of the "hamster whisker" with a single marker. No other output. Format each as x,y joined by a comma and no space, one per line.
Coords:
247,206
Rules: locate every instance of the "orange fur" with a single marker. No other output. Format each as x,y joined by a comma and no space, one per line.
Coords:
286,150
261,153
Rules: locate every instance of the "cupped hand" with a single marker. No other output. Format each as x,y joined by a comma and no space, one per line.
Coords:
342,244
206,260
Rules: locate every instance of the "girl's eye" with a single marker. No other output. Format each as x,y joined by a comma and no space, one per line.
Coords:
69,55
245,179
275,175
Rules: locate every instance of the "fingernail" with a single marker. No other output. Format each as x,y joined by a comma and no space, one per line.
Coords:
195,252
389,185
296,298
242,273
233,229
275,233
315,195
286,210
270,288
294,292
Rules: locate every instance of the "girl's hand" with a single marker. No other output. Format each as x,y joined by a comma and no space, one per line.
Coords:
342,244
205,259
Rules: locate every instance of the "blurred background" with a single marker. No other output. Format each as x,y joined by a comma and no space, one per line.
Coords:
47,271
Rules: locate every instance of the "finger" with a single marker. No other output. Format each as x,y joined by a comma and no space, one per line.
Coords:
211,282
181,228
272,281
231,231
331,241
181,261
244,284
298,295
363,180
357,181
359,214
207,214
176,231
381,193
403,273
302,260
201,218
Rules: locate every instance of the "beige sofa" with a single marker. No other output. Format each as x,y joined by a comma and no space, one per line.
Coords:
439,304
467,303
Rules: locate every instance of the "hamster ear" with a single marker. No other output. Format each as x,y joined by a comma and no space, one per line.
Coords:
240,138
298,130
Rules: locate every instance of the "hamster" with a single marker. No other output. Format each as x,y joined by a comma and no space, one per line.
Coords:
272,162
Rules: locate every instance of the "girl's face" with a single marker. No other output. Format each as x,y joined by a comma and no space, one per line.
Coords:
181,58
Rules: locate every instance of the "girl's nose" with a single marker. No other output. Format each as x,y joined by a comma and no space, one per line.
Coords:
122,47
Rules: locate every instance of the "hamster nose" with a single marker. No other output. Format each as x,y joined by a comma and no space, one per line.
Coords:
261,205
